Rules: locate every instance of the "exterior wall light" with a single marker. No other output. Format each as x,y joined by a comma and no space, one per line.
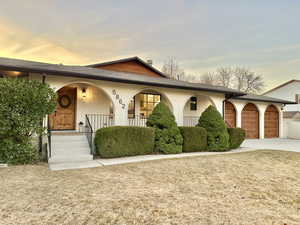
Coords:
83,93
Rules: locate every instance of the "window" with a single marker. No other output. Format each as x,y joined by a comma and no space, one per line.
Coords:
193,103
147,103
298,98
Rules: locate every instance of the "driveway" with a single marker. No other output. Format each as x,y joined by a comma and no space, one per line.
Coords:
274,143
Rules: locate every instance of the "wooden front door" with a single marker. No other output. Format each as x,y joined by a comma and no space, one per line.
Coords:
64,116
271,122
250,121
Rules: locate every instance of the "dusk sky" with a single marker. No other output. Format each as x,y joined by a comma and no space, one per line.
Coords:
263,36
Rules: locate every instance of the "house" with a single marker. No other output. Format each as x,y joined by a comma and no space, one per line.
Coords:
289,91
124,92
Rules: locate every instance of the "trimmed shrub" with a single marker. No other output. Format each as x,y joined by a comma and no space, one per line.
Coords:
236,137
217,134
121,141
194,139
168,138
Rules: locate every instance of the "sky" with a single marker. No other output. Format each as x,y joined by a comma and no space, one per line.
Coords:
203,35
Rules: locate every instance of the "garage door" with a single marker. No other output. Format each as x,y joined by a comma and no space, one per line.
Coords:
230,114
271,122
250,121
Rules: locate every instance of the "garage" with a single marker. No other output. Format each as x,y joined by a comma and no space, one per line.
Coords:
230,114
250,121
271,122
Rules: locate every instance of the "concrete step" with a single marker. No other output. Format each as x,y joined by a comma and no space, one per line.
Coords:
74,165
70,145
70,158
68,138
79,151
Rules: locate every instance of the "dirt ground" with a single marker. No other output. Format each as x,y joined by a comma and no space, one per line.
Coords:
261,187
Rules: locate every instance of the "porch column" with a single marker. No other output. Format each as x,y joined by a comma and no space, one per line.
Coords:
121,115
262,109
178,103
238,117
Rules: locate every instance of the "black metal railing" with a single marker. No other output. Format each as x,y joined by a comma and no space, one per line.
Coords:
190,121
89,134
98,121
137,120
49,152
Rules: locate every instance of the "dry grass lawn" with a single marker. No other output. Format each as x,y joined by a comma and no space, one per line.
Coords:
261,187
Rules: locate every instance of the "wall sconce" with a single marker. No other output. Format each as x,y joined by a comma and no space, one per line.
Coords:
83,93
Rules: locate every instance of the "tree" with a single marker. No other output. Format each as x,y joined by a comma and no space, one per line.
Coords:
248,81
168,138
172,70
217,134
209,78
23,104
238,78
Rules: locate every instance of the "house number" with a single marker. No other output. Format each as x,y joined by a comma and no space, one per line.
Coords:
114,92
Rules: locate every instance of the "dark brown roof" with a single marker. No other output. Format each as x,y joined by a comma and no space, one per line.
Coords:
135,58
262,98
99,74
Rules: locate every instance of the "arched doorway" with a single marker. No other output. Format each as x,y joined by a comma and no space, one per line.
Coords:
230,114
250,120
78,100
142,104
271,122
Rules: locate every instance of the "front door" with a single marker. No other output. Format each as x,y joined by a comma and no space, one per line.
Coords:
64,116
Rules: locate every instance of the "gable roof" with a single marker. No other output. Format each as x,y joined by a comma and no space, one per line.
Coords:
100,74
130,59
280,86
262,98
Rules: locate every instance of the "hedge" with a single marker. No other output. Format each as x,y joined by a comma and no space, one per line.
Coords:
217,134
236,137
121,141
194,139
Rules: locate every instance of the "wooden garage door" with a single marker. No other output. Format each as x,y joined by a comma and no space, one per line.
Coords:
250,121
271,122
230,114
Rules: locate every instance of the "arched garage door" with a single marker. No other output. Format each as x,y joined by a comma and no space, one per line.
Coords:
230,114
250,121
271,122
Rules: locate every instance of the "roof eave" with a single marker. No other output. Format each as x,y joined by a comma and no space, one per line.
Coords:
84,75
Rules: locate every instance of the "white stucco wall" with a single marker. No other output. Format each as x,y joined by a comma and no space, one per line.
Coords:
100,94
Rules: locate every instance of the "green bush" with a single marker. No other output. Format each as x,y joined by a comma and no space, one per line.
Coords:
236,137
194,139
121,141
23,105
18,151
167,134
217,134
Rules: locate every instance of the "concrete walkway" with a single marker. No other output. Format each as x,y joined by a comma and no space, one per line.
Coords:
248,145
135,159
273,144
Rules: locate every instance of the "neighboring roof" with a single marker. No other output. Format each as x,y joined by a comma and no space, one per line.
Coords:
262,98
291,115
280,86
99,74
135,58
